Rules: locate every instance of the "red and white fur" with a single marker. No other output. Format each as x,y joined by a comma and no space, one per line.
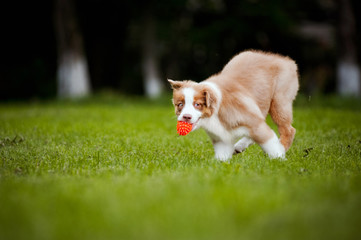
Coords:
232,105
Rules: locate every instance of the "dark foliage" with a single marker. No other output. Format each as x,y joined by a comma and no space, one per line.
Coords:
195,39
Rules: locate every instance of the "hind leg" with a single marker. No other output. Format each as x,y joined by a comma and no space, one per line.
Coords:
281,114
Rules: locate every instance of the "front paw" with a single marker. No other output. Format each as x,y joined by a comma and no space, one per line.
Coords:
223,151
223,157
242,144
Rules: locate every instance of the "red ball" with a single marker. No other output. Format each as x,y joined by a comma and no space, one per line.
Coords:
183,128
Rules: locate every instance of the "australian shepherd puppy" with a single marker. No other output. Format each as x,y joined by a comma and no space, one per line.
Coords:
232,106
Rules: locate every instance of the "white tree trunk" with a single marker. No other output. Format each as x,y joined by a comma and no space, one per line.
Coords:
72,73
348,71
152,83
348,78
72,76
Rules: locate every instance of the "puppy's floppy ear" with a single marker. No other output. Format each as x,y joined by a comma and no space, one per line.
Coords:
175,84
209,96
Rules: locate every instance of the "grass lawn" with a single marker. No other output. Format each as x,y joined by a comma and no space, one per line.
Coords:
114,168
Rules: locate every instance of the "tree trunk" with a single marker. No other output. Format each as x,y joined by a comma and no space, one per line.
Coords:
72,73
151,78
348,71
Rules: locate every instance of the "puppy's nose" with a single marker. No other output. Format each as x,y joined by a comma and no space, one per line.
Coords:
187,117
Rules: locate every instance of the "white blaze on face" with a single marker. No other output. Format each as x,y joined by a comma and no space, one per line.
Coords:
189,108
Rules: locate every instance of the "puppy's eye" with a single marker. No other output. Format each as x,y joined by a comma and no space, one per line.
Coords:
197,105
180,105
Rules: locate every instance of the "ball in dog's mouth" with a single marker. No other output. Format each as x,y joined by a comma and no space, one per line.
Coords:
183,128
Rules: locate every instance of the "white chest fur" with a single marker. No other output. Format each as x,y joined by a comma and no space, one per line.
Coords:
218,132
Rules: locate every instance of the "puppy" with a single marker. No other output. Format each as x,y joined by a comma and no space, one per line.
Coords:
232,106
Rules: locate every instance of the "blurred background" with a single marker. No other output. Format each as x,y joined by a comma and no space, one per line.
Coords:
74,48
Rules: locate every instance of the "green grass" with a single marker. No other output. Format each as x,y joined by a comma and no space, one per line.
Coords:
114,168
